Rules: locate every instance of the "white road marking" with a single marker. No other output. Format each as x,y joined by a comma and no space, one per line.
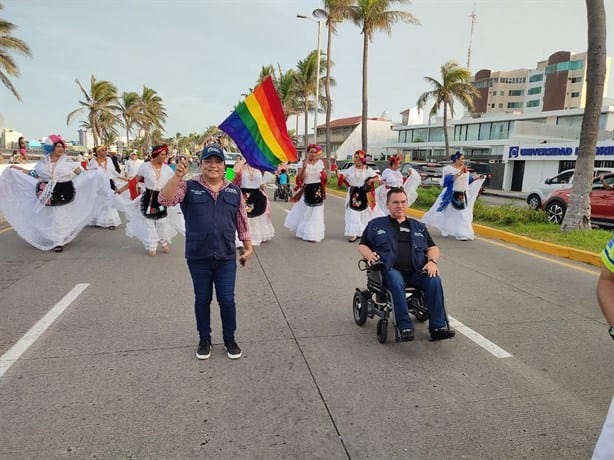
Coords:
482,341
14,353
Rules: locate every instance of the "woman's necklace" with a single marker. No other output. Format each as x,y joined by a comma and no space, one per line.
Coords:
102,164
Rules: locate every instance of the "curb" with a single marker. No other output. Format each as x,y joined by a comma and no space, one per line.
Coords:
522,241
529,243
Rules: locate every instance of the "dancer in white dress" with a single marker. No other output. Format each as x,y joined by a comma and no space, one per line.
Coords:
359,180
106,215
49,205
148,220
452,212
256,202
392,177
306,218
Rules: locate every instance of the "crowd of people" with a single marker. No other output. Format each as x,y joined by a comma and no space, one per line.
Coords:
49,205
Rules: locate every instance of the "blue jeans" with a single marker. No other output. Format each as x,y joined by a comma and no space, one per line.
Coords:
223,274
395,281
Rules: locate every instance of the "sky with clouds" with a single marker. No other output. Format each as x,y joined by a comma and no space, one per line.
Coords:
200,55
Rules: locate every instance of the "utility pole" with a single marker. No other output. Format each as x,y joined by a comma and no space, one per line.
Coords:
473,17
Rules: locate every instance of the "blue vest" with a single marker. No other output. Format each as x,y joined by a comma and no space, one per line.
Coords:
383,238
210,225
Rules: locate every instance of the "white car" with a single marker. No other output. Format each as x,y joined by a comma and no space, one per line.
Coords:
562,180
230,158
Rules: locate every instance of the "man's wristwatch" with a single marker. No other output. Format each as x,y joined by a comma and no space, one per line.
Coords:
611,330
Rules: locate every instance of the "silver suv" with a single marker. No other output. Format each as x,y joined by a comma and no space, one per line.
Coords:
562,180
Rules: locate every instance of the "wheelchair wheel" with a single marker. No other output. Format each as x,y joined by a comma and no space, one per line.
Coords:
359,307
382,330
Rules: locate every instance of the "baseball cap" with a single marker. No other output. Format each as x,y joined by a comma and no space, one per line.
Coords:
212,150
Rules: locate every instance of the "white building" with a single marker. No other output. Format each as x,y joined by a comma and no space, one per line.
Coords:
9,138
346,136
86,138
495,137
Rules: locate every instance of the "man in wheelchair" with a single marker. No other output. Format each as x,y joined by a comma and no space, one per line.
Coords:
410,256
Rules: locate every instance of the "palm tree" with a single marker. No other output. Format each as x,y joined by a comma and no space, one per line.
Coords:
151,115
100,102
453,85
334,11
578,215
9,44
306,79
285,84
128,106
375,16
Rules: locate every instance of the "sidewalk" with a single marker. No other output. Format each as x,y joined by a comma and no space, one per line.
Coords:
502,194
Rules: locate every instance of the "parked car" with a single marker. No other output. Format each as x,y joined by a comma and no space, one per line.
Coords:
231,158
601,197
429,172
481,169
561,181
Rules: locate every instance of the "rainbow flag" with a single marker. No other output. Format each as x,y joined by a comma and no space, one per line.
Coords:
258,127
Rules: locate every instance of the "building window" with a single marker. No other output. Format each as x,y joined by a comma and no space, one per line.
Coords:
500,130
537,77
484,131
515,92
492,106
533,103
575,94
501,93
514,105
472,132
500,105
436,134
564,66
420,135
576,79
460,132
535,90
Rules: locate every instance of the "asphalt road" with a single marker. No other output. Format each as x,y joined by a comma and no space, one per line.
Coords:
115,376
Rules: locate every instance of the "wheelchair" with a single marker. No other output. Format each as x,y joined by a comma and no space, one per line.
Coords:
376,300
282,192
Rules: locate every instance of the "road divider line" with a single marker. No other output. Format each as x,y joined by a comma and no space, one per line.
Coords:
479,339
14,353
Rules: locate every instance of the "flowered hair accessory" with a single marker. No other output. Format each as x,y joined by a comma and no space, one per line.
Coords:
456,156
394,159
51,142
314,146
158,149
360,154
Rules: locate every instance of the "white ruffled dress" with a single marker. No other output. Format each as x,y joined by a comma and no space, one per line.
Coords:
307,222
46,227
106,215
356,221
260,227
393,178
152,232
451,221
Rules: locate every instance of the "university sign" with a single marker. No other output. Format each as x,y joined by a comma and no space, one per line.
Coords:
554,152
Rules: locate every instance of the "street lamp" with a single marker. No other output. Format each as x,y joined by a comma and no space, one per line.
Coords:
315,114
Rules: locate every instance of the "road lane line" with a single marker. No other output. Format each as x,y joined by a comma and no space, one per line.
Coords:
14,353
4,230
482,341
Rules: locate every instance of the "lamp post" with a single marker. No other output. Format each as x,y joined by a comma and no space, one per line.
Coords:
315,114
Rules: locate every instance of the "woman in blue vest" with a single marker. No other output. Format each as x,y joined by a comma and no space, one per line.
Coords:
214,212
